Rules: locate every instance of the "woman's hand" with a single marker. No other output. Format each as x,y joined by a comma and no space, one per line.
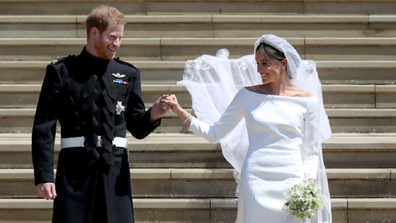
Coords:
173,103
313,181
176,108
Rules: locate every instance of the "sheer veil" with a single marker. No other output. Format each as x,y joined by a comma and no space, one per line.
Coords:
213,81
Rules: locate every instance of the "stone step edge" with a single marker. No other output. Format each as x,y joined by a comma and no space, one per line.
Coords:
199,1
179,65
216,42
213,174
332,113
146,88
344,144
204,18
160,136
16,142
226,203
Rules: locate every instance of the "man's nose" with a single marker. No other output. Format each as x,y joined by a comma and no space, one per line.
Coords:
117,42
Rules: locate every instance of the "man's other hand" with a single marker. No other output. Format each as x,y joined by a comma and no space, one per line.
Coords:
47,190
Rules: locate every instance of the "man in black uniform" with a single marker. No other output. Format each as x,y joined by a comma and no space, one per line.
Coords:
96,98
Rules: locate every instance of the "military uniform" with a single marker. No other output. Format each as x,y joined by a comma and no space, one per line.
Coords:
95,101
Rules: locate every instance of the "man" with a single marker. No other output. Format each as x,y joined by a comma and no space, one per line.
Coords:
96,98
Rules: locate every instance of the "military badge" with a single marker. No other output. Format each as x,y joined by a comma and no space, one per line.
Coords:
118,75
119,108
120,81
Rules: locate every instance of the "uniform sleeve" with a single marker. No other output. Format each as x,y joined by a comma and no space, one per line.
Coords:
138,120
311,140
44,127
228,120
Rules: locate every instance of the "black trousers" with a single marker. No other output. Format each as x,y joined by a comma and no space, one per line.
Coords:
91,194
99,206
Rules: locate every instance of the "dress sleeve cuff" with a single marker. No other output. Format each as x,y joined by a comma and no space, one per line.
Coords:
193,125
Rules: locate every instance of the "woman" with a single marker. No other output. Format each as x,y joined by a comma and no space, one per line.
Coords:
283,125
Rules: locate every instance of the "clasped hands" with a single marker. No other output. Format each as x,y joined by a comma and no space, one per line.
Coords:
171,102
163,105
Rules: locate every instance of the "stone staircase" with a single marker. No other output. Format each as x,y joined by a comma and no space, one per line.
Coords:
179,177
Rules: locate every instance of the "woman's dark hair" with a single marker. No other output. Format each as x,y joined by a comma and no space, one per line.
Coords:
271,52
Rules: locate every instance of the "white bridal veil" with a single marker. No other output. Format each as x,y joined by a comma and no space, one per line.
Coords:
213,81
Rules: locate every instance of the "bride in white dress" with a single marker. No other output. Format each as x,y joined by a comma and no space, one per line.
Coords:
283,133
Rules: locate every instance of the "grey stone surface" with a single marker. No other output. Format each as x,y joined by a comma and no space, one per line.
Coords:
350,53
349,7
385,101
169,72
38,30
223,7
334,96
207,25
66,8
180,177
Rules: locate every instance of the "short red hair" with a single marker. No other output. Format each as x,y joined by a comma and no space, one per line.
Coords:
101,16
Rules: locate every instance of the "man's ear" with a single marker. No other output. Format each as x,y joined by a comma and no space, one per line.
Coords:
94,32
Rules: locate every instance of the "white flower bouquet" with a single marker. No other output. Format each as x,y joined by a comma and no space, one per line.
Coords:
304,200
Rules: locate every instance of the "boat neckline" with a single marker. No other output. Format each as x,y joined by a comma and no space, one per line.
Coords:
282,96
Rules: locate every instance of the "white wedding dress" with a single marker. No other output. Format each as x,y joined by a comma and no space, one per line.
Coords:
283,134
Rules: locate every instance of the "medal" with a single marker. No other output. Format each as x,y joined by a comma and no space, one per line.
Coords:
119,108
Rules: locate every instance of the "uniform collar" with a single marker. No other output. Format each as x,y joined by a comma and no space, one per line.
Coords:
87,55
95,64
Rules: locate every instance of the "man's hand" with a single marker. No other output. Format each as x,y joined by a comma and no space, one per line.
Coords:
160,108
47,190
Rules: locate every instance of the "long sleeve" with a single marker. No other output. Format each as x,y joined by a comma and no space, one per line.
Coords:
138,120
311,140
44,127
229,119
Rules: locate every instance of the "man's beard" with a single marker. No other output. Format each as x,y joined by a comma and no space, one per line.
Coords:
101,50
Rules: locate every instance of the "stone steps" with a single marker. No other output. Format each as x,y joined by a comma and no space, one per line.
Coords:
188,7
168,72
199,210
181,49
157,72
205,25
213,183
341,121
190,151
181,177
334,96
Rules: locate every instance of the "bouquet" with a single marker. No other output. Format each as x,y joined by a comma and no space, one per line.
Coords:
304,200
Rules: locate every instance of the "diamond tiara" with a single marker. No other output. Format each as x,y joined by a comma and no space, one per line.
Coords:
266,40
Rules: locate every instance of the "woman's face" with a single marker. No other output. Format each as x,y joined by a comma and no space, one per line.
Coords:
269,69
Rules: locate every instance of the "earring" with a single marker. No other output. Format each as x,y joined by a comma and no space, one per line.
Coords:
283,67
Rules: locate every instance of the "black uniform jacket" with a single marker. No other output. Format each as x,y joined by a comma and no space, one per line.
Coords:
89,97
